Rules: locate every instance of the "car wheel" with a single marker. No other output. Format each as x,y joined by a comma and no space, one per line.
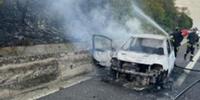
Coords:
161,79
114,74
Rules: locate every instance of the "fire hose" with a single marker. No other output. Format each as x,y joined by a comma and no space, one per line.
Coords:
193,70
188,87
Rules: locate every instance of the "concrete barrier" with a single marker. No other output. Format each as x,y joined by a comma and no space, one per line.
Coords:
35,50
21,72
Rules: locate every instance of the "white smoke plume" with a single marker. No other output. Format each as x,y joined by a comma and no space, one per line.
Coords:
83,19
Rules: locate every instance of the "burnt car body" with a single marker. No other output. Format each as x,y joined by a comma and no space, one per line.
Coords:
145,59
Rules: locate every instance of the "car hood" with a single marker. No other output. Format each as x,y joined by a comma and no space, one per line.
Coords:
141,58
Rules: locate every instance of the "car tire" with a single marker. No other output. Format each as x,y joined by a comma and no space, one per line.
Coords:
114,74
161,79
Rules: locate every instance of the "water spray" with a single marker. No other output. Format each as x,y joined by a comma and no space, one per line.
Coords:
139,11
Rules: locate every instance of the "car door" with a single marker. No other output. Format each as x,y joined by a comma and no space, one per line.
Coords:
171,55
101,50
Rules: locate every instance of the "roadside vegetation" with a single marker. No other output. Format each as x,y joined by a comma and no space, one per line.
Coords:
166,14
27,22
163,12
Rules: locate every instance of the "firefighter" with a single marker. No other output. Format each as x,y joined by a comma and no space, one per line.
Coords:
192,40
197,41
176,39
197,37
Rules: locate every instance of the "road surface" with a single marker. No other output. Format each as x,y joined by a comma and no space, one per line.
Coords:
95,89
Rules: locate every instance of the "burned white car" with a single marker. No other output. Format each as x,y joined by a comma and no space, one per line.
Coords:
145,59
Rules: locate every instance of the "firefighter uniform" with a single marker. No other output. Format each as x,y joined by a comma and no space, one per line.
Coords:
176,39
197,40
197,33
192,40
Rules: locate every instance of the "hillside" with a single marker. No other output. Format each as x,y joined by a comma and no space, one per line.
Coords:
30,22
166,14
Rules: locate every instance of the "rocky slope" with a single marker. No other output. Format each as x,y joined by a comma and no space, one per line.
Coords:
30,22
25,22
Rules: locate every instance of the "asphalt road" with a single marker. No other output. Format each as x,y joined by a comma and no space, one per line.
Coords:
95,89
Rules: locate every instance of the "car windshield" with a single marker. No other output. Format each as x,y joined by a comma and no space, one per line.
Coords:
144,45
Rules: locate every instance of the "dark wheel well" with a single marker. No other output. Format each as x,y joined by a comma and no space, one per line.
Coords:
156,67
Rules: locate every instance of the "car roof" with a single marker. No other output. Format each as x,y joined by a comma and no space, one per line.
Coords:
150,36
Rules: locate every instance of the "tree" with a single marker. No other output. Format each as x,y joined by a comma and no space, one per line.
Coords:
1,2
184,21
166,14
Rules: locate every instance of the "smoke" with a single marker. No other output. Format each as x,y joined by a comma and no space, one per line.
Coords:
152,22
83,18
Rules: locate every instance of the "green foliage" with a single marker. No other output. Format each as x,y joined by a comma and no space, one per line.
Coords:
1,2
184,21
165,14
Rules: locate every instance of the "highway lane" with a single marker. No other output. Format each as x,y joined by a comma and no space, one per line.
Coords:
95,89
